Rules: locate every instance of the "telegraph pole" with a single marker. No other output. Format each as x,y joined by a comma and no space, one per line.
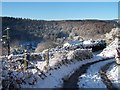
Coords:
7,42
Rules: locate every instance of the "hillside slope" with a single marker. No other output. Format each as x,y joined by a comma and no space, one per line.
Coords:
23,29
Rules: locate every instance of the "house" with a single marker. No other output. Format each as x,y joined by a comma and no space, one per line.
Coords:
72,43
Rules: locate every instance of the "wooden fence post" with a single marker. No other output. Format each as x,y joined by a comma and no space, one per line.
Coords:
25,59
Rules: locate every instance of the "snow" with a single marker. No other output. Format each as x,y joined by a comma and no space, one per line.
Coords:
52,76
114,71
40,74
114,75
110,50
92,79
87,42
55,80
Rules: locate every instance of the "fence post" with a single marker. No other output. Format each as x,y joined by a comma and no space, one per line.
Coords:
25,59
47,57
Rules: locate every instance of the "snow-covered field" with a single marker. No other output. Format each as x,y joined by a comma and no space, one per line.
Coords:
61,66
92,79
38,75
55,77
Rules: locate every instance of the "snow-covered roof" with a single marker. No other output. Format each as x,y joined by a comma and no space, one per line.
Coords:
87,42
75,42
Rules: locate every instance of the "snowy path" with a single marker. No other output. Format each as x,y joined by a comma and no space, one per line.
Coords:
113,74
88,72
105,78
92,78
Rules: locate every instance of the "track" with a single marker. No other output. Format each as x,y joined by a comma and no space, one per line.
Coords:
104,77
72,81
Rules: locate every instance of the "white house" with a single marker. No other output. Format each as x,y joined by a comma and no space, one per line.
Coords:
72,43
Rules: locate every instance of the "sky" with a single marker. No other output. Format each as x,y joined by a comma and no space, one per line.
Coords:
60,0
61,10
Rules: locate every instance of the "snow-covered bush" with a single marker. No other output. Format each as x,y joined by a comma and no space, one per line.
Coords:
110,50
80,54
35,57
112,34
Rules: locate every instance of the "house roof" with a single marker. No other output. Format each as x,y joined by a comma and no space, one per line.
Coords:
74,42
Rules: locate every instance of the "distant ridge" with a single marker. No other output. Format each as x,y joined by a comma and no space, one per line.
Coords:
28,29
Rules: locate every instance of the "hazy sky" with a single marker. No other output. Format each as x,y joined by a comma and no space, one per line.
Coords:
61,10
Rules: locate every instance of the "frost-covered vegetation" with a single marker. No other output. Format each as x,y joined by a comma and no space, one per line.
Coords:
15,76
